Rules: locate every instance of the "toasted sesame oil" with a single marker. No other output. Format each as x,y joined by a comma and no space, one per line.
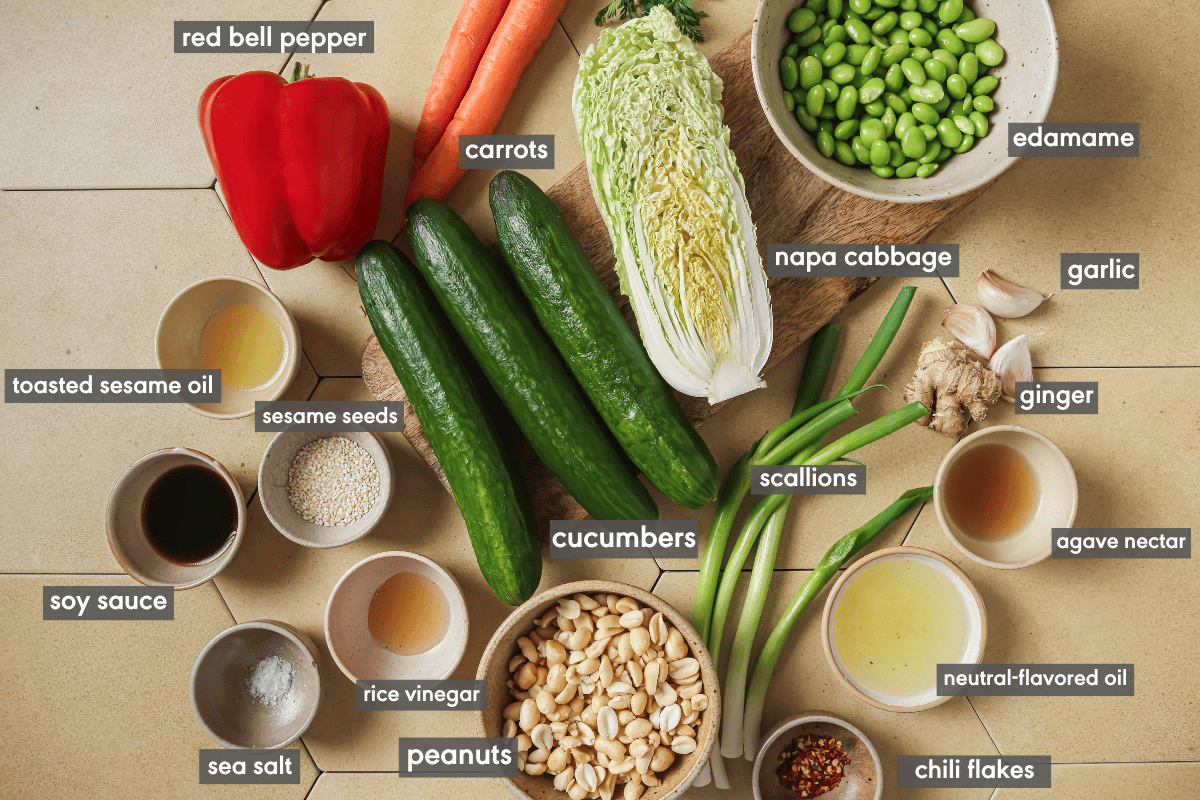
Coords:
246,344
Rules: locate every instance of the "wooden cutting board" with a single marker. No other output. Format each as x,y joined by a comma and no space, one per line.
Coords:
789,205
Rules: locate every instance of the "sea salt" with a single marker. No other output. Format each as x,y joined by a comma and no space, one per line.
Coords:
271,681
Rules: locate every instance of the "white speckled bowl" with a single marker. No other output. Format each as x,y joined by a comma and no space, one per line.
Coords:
1028,76
273,491
354,650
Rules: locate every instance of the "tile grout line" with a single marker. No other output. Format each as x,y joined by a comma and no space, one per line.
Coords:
568,35
985,727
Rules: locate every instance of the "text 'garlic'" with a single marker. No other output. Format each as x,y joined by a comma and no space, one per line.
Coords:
1004,298
973,326
1012,364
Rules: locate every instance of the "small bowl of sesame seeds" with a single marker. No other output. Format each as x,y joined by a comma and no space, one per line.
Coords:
325,489
817,755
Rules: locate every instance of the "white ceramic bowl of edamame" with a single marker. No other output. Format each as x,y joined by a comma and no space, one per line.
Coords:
1027,76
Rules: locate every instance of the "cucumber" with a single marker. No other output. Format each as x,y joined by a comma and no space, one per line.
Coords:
487,485
601,350
499,330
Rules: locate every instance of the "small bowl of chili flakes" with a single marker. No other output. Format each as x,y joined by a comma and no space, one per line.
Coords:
817,755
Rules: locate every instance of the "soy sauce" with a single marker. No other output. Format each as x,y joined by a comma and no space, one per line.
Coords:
190,514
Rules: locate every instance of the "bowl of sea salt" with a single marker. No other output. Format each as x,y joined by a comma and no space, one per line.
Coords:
256,686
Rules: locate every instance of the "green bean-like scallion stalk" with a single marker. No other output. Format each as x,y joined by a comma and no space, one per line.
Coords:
817,364
880,342
837,557
737,484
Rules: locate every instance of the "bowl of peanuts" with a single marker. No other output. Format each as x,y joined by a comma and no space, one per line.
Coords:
608,690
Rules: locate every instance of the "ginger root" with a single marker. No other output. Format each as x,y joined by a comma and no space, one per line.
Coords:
951,383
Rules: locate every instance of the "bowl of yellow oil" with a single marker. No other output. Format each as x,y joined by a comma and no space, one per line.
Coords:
892,617
396,616
1000,493
236,326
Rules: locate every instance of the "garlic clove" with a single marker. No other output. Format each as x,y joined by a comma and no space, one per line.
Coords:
1012,363
973,326
1004,298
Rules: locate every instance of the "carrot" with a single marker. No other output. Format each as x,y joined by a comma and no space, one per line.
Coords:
525,25
469,37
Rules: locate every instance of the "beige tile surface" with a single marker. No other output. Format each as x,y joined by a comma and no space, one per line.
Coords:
100,709
95,271
804,682
95,96
1105,611
905,460
275,578
1047,206
1113,782
355,785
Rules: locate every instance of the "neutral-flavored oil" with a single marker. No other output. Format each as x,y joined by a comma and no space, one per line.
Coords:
408,614
991,492
246,344
895,621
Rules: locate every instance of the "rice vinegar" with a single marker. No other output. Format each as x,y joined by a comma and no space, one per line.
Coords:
409,614
895,621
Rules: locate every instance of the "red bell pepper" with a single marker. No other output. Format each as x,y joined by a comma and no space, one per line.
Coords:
300,164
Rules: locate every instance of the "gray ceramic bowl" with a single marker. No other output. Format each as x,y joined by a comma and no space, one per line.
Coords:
273,491
1028,76
864,776
220,690
127,535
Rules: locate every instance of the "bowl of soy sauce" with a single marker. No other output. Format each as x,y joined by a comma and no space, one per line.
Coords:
175,518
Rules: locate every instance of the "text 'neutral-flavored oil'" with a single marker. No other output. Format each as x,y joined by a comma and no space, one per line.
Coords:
408,614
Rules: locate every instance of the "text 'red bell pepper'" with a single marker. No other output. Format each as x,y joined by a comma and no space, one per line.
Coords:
300,164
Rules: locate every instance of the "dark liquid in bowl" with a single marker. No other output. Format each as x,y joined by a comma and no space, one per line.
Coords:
190,514
991,492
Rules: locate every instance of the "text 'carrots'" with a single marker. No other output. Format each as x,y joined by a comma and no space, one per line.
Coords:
522,29
468,39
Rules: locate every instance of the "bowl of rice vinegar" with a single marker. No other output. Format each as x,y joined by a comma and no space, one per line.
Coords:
892,617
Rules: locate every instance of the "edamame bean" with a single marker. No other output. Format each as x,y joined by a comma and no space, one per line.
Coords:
910,20
871,60
836,33
884,171
825,143
810,72
929,132
956,87
859,81
895,54
980,122
789,73
949,41
944,155
881,154
875,13
833,54
908,5
789,102
925,170
931,152
908,169
815,100
906,122
898,156
885,23
897,35
984,104
963,124
816,51
943,105
842,73
913,71
948,133
834,8
949,11
968,67
859,31
847,103
920,38
976,30
929,92
810,36
859,6
967,142
936,70
807,120
843,153
947,58
889,123
871,131
985,85
792,50
801,20
927,6
875,108
855,53
828,112
920,54
966,16
989,52
832,90
871,90
894,103
861,150
816,5
962,108
913,143
846,130
924,113
894,79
